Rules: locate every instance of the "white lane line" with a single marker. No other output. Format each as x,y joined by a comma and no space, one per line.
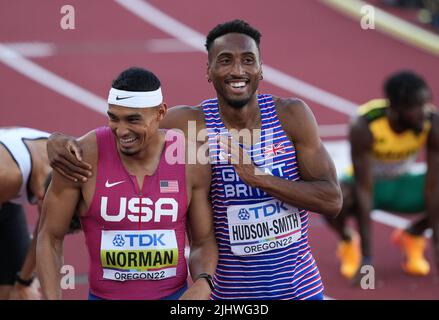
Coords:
50,80
175,28
394,221
333,130
390,219
390,24
169,46
43,49
33,49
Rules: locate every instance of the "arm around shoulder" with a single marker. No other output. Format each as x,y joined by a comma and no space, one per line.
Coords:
66,157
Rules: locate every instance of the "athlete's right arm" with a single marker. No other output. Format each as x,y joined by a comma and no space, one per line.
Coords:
62,199
203,255
59,205
361,140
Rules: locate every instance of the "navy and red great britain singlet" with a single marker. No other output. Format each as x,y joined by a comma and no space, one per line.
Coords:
262,241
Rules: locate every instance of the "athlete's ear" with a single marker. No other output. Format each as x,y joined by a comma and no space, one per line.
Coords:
163,108
207,72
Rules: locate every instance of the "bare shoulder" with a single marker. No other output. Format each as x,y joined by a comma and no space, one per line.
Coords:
359,132
179,116
296,118
89,145
88,140
359,123
291,106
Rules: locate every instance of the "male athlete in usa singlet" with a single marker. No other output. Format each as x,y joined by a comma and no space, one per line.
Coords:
136,207
125,250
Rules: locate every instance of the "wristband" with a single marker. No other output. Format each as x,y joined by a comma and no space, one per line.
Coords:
208,278
23,282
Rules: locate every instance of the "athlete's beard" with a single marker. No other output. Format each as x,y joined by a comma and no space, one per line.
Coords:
129,153
237,104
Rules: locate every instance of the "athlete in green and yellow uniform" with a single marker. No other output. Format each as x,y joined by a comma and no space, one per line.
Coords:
398,184
386,138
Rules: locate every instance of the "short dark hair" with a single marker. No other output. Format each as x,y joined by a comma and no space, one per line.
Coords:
401,87
136,79
234,26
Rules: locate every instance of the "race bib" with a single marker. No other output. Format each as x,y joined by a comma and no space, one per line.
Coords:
262,227
139,254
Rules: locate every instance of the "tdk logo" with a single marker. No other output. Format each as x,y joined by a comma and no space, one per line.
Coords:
118,241
267,210
139,240
243,214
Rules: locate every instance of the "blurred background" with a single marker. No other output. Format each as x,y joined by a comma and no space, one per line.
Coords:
57,63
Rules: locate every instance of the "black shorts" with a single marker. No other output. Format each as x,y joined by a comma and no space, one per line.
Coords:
14,241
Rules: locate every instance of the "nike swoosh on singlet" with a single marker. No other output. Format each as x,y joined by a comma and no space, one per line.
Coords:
117,98
109,185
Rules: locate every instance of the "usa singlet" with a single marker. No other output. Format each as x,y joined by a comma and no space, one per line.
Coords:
136,238
262,241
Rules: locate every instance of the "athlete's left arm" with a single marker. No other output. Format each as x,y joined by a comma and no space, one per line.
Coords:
432,183
318,190
203,248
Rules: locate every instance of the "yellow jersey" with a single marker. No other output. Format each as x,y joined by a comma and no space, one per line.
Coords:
392,153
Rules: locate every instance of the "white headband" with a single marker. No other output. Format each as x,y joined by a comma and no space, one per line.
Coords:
135,99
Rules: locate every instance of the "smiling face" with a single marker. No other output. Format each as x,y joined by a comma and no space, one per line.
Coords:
235,68
134,128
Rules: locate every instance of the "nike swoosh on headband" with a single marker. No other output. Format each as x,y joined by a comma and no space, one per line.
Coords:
117,98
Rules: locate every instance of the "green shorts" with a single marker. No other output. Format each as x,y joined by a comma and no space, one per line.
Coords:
403,194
